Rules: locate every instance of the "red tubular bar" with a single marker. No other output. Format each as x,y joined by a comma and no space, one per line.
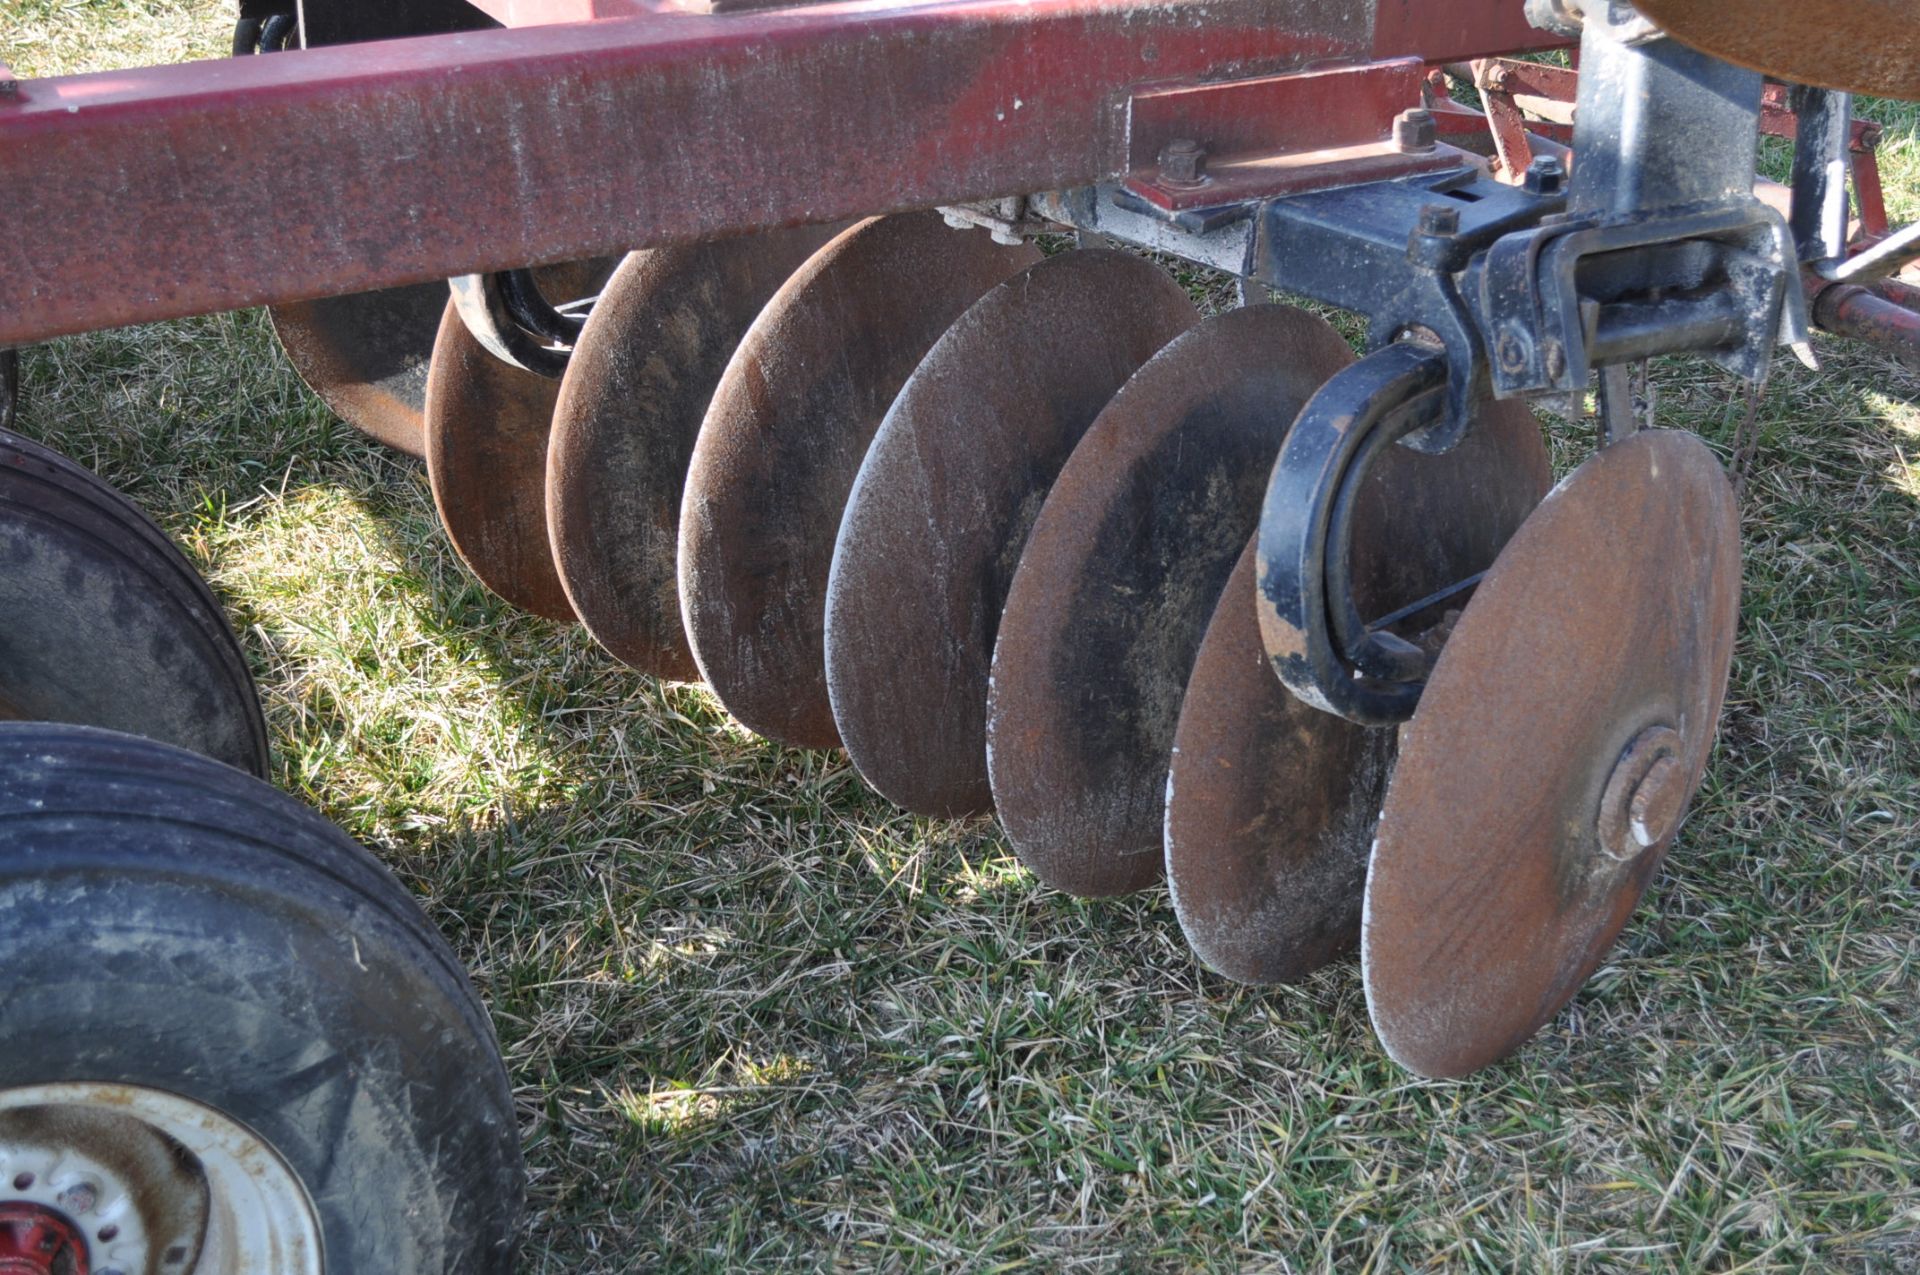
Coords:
150,194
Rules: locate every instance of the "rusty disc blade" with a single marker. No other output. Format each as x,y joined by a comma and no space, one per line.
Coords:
1116,584
782,441
366,356
103,622
1271,803
943,502
630,407
1565,726
1862,46
487,426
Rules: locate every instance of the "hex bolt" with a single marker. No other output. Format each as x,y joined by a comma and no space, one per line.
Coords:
1183,162
1414,131
1546,175
1442,220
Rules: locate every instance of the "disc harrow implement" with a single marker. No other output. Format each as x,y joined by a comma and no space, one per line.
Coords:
630,407
786,432
940,510
1115,585
488,421
1564,729
1272,802
1287,614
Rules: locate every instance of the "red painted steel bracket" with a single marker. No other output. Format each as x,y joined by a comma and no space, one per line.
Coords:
1279,135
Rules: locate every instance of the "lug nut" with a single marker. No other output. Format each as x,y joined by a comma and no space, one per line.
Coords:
1183,162
1414,131
1546,175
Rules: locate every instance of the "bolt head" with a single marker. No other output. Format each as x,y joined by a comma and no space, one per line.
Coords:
1414,130
1183,162
1546,175
1439,219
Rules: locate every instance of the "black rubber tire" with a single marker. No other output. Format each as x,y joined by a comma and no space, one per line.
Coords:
170,922
104,622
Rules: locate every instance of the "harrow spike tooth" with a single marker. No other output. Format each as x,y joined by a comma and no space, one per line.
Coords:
1117,582
1513,844
1272,803
143,646
782,440
940,510
487,423
366,357
629,409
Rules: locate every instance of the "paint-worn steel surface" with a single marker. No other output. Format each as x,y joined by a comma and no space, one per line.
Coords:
630,407
1271,803
421,159
1543,778
1116,584
943,502
103,622
366,356
427,158
486,442
784,436
1863,46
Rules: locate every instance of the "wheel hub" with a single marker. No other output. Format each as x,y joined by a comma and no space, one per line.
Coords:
143,1181
34,1240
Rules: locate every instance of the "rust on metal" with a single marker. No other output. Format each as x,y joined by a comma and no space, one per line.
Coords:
486,442
366,356
1277,135
940,511
783,438
1862,46
1270,808
630,406
1864,314
103,622
1116,584
1532,802
971,99
1271,802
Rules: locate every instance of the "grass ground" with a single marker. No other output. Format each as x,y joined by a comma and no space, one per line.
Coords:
758,1018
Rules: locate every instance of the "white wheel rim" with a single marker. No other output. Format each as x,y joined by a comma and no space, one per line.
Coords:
232,1206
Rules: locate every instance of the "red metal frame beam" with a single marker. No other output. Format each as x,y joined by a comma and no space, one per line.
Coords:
168,191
